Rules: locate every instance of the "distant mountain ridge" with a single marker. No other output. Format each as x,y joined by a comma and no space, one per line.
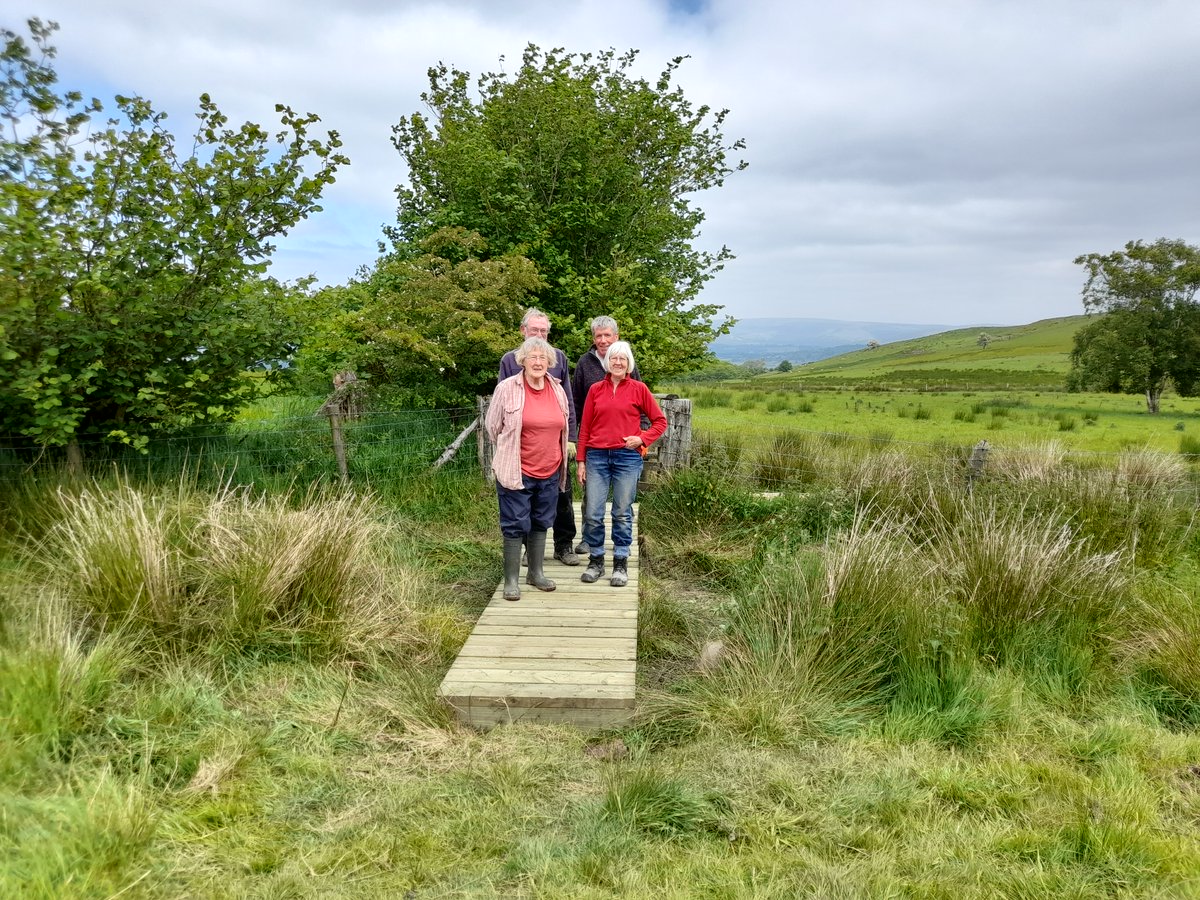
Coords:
800,340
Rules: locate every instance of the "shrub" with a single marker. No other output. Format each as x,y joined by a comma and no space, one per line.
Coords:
232,571
789,460
1016,573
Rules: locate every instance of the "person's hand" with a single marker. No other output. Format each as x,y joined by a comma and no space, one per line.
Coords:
570,450
581,471
633,442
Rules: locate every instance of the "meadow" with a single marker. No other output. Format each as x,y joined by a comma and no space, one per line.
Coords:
865,670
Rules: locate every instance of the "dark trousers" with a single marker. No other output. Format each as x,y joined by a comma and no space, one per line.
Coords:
564,518
532,508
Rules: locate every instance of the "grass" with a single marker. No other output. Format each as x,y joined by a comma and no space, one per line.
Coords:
921,690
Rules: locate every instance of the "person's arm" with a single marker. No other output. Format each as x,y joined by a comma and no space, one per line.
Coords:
585,428
495,413
569,390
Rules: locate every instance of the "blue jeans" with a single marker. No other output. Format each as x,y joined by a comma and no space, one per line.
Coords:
619,471
530,509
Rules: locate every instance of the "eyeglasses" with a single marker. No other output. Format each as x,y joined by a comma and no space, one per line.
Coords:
534,331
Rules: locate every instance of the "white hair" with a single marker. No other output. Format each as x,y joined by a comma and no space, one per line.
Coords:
620,348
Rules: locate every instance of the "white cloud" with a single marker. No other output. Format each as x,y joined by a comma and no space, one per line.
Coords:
922,162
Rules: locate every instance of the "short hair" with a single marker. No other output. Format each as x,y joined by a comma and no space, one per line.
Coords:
536,343
605,322
619,348
533,313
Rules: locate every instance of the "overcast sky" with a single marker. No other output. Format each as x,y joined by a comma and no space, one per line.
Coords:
927,161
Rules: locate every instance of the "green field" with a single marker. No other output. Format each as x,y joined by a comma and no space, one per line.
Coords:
946,389
1034,356
861,673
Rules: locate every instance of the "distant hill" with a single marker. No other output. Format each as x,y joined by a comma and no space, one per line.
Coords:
804,340
1033,355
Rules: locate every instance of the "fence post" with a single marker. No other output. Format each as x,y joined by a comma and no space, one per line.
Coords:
975,464
339,445
483,443
676,443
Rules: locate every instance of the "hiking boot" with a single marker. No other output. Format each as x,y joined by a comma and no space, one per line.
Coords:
581,549
594,570
567,557
537,557
620,575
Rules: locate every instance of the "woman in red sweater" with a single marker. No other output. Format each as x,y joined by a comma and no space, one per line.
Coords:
610,449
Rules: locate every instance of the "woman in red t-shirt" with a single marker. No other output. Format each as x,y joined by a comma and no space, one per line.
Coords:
527,421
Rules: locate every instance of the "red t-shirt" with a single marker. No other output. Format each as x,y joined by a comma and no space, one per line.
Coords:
541,433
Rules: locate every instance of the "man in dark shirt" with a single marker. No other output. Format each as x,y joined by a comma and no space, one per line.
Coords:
536,323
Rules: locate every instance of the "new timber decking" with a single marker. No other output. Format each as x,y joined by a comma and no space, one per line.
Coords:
564,656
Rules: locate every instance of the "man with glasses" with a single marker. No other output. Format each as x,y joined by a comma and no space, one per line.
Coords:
536,323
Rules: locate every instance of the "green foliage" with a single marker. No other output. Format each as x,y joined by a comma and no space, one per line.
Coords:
426,329
788,461
132,293
1148,335
653,804
230,573
586,170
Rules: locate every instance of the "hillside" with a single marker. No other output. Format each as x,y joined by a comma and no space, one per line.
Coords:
800,340
1036,355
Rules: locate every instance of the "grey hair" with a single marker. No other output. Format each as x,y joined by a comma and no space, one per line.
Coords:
605,322
534,313
536,343
619,348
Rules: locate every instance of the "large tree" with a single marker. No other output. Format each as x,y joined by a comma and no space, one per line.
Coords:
425,328
586,170
1147,334
132,285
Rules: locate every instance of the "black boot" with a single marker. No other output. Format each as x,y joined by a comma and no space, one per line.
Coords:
512,568
594,570
537,557
620,575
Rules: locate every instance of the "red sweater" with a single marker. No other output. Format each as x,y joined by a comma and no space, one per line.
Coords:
611,416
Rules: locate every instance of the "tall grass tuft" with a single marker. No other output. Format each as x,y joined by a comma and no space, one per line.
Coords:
1164,653
231,571
790,460
1021,575
815,646
651,804
118,551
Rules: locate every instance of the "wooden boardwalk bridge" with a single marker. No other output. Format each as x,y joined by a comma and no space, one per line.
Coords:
565,656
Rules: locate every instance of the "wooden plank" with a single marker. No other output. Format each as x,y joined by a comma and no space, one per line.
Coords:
555,653
535,664
567,693
559,632
545,642
601,616
567,655
580,718
538,676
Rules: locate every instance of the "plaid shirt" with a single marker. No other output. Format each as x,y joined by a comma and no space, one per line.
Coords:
503,425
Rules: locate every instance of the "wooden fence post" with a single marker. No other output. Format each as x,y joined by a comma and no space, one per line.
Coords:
483,443
676,444
975,464
339,446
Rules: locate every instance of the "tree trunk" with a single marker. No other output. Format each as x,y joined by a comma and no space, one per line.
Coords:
1152,398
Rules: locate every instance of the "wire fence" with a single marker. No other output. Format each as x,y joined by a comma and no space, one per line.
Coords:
380,445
